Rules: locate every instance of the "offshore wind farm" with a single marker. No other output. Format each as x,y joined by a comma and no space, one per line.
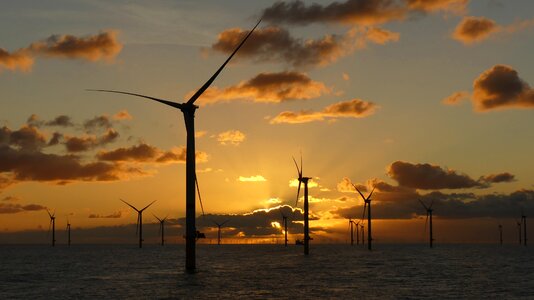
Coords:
411,116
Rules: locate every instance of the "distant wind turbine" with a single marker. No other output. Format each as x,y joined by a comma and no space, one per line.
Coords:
500,234
219,225
161,229
53,226
524,222
139,226
351,228
519,230
367,205
284,220
429,211
188,109
304,180
363,233
68,232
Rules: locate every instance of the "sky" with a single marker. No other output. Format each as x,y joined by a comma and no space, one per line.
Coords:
418,100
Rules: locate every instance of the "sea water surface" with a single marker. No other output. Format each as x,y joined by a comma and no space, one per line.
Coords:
268,271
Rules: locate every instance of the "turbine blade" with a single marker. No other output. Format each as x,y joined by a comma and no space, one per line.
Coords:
372,191
137,225
363,197
166,102
296,165
217,224
156,217
210,81
301,163
199,197
426,221
422,203
149,205
364,210
49,213
225,222
298,193
431,203
49,226
130,205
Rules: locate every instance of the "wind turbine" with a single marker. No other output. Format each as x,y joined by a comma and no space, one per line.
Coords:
304,180
524,222
284,218
53,226
500,234
519,230
363,233
429,211
367,204
68,232
188,109
161,229
139,226
351,228
219,225
358,231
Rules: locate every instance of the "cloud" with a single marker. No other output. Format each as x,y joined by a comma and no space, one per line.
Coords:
10,208
497,178
474,29
275,44
234,137
268,88
102,46
28,138
256,178
80,144
144,153
114,215
429,177
21,60
345,186
345,76
63,121
501,88
122,115
455,98
10,199
295,183
455,6
354,108
200,133
97,122
352,12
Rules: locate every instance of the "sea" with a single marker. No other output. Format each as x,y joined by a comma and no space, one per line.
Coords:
267,271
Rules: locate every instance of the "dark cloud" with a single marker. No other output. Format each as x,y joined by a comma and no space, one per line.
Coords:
354,108
114,215
353,12
98,122
455,98
275,44
10,208
27,138
147,153
497,178
80,144
501,88
102,46
62,121
269,87
56,139
429,177
10,199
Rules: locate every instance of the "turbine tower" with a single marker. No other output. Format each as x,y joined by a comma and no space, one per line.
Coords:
219,225
367,204
139,226
188,109
68,232
161,228
304,180
363,233
351,228
500,234
53,226
284,219
519,230
524,221
357,224
429,211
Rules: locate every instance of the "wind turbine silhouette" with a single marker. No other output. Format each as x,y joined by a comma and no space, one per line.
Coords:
500,234
351,228
188,109
524,222
284,220
367,204
68,232
219,225
363,233
161,228
519,230
139,226
429,211
53,226
304,180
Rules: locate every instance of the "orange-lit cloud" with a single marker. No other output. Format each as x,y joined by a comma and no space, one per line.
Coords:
255,178
233,137
85,143
500,177
268,88
200,133
456,98
21,60
102,46
476,29
295,183
122,115
354,108
275,44
114,215
345,186
501,88
455,6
